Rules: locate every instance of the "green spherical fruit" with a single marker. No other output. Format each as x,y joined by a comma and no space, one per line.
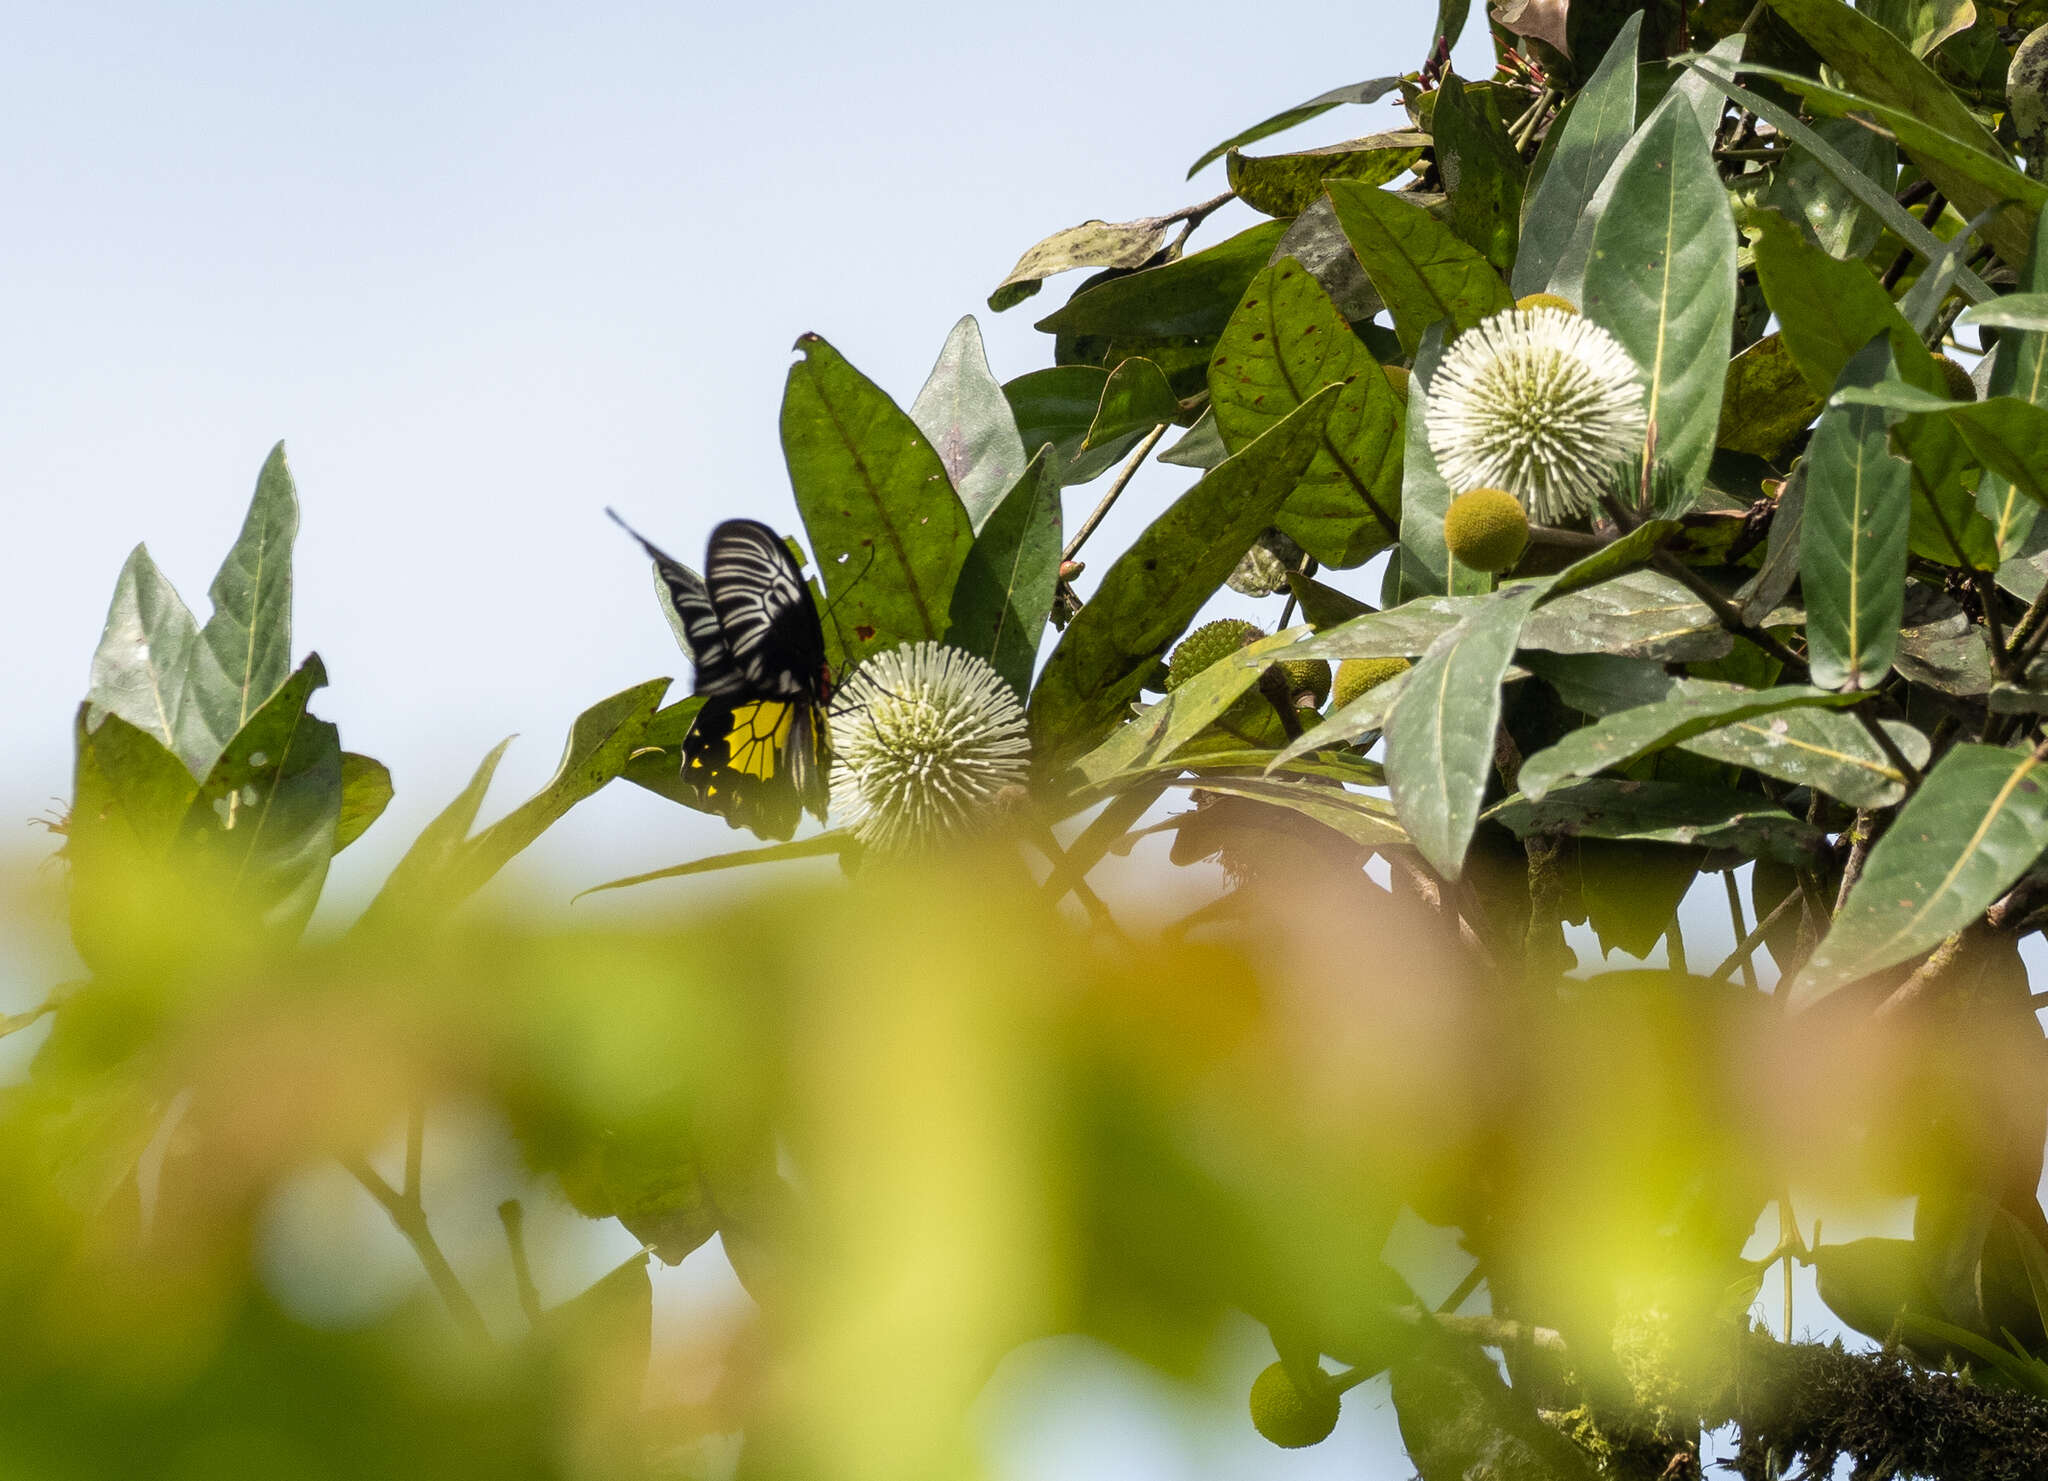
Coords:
1288,1417
1206,644
1546,301
1355,676
1957,379
1487,529
1308,680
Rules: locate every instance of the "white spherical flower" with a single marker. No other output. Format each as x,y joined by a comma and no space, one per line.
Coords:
1539,402
923,738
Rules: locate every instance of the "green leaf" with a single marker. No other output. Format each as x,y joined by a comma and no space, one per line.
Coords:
263,825
138,670
1660,278
129,795
1363,820
1427,567
1370,91
961,411
1285,343
887,531
1804,187
1806,747
1191,296
1420,268
2020,369
1121,244
2013,311
1760,596
1004,594
1346,723
1665,812
1765,400
1921,24
1058,405
1440,732
1599,124
817,846
1974,826
1323,606
1288,184
1482,173
1158,734
1615,558
1694,710
657,763
1852,565
1876,65
245,650
365,793
1828,309
440,843
1160,582
1202,446
1135,398
1872,195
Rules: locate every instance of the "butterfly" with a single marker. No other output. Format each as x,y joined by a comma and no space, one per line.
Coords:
756,754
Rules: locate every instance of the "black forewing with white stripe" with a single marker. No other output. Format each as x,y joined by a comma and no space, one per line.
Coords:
764,611
710,657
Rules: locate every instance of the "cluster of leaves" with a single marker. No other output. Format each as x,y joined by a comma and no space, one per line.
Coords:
1803,646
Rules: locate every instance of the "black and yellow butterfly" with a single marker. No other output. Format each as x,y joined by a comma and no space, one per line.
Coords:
756,754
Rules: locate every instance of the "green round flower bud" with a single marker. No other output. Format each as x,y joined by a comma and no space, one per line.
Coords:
1308,680
1356,676
1546,301
1206,644
1957,379
1397,377
1487,530
1288,1417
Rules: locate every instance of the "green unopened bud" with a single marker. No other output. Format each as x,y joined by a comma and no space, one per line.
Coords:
1487,529
1287,1416
1356,676
1207,644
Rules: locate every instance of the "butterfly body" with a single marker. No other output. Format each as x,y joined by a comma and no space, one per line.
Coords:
756,752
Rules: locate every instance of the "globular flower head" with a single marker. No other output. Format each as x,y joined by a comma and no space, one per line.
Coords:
925,738
1540,403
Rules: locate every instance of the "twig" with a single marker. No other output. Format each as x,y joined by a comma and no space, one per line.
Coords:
1917,986
1123,478
1463,1291
1725,613
1862,833
1735,917
411,1218
1747,946
1565,539
513,1217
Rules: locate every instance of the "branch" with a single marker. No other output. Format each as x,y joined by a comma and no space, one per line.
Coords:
411,1218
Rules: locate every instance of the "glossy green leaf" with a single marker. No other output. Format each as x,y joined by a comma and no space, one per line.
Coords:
1660,277
1323,606
1827,309
138,670
1481,170
2027,310
1120,244
1058,405
1817,748
1616,558
365,793
1370,91
1873,195
1192,707
963,414
2020,369
1427,567
1004,593
1285,343
1976,824
1161,581
1440,731
657,762
1878,67
818,846
1620,738
887,531
1363,820
1418,265
1287,184
2007,435
1135,399
244,652
1593,133
1802,186
130,794
1852,566
1921,24
262,827
1665,812
1201,447
1191,296
1765,400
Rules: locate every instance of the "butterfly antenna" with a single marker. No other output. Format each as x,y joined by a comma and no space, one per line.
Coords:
653,550
832,606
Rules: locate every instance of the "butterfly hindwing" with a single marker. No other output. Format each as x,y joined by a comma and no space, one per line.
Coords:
756,754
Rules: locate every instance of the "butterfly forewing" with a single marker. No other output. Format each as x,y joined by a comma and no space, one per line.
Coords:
764,610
